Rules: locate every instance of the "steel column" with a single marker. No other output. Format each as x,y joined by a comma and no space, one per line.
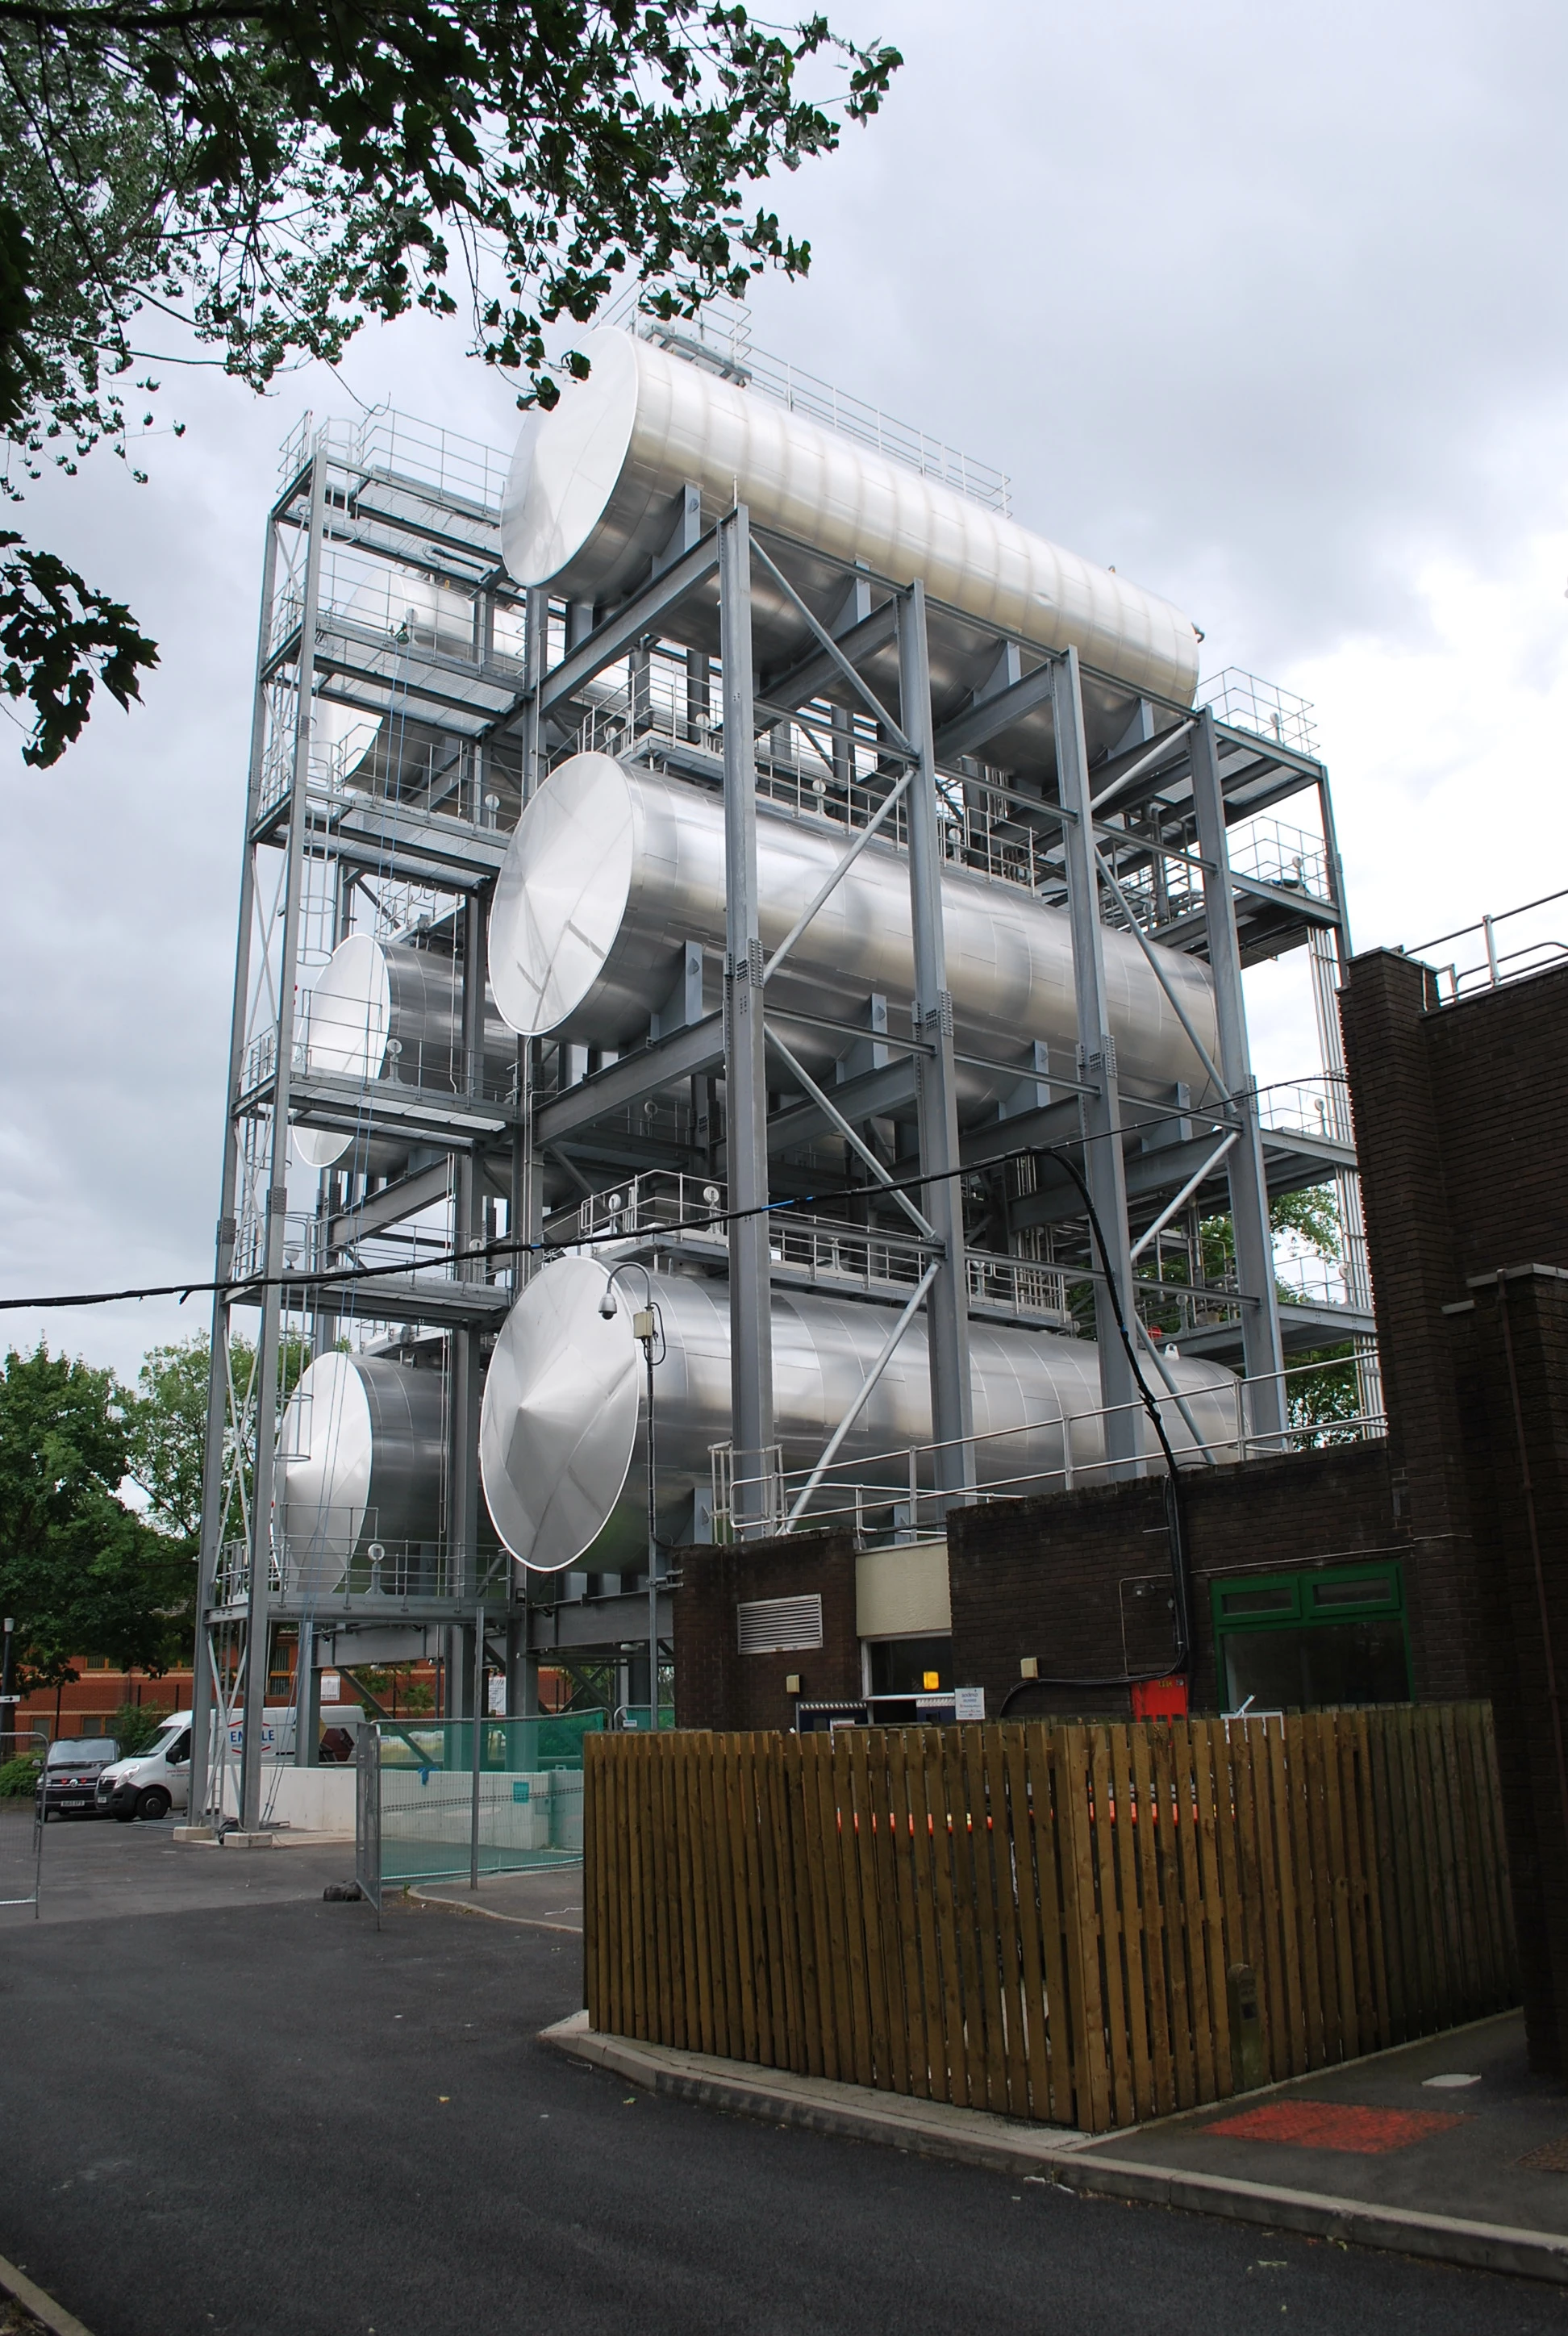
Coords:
936,1087
745,1072
216,1441
1100,1106
462,1508
1261,1353
268,1358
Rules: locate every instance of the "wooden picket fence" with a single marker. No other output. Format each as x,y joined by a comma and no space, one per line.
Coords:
1042,1920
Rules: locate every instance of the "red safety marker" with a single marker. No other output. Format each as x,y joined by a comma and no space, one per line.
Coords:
1336,2124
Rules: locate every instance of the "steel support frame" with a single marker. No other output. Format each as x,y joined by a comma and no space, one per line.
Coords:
268,1360
745,1061
216,1439
1100,1104
1262,1353
936,1092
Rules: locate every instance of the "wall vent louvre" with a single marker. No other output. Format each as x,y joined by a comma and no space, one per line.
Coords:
779,1626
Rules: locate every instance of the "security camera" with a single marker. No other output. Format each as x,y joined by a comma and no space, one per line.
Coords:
607,1304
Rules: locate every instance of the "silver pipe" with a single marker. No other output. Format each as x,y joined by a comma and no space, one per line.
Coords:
612,868
589,501
561,1424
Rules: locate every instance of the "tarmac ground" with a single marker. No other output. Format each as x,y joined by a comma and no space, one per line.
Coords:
231,2109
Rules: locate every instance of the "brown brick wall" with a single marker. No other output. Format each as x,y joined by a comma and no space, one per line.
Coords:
1461,1121
1518,1463
715,1686
1081,1581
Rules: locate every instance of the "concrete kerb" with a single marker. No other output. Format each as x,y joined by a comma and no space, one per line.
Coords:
490,1913
44,2308
1071,2161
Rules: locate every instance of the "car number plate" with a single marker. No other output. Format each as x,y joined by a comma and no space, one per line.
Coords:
75,1801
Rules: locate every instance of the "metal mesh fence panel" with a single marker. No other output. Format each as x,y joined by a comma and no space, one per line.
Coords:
522,1781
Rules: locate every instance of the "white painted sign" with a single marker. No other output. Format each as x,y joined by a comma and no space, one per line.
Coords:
969,1703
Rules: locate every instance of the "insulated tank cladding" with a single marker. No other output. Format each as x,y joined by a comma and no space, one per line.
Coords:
390,1011
612,869
361,1459
561,1424
587,508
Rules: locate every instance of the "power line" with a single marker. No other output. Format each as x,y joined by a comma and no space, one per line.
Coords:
336,1277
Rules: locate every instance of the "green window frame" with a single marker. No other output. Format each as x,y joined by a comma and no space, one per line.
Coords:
1308,1598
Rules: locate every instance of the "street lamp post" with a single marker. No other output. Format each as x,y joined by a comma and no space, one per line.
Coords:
648,1330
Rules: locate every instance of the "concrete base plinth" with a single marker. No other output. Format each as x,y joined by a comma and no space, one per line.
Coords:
247,1840
201,1833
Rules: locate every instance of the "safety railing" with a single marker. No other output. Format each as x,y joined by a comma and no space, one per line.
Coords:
341,1557
896,1491
1499,950
692,1209
400,448
1243,702
1315,1107
343,1042
1273,853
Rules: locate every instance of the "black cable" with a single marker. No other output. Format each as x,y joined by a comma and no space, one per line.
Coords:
339,1275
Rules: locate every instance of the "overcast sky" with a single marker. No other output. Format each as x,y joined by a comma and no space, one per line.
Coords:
1265,306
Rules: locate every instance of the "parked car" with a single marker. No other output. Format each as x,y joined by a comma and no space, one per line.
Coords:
68,1780
150,1784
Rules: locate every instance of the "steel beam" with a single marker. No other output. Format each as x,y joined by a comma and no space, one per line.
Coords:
644,613
1101,1109
1261,1345
746,1062
812,675
991,714
685,1054
947,1304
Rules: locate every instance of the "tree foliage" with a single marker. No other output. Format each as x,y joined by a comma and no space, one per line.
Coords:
82,1574
259,178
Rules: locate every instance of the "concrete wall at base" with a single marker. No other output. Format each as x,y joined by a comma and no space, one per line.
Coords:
307,1800
540,1811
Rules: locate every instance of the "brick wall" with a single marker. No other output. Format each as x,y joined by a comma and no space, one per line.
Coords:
715,1686
1516,1456
1081,1581
1461,1121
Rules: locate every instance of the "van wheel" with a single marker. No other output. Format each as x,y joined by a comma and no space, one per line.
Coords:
153,1804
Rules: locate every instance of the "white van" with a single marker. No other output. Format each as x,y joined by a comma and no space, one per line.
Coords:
151,1783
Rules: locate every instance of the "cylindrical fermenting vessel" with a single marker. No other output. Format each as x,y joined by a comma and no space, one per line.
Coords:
611,868
559,1425
390,1011
588,507
361,1459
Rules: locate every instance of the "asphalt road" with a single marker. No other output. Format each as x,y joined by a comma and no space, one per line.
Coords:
267,2118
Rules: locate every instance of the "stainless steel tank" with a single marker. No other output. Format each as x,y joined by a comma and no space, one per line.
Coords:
561,1423
393,1012
588,507
612,868
361,1460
